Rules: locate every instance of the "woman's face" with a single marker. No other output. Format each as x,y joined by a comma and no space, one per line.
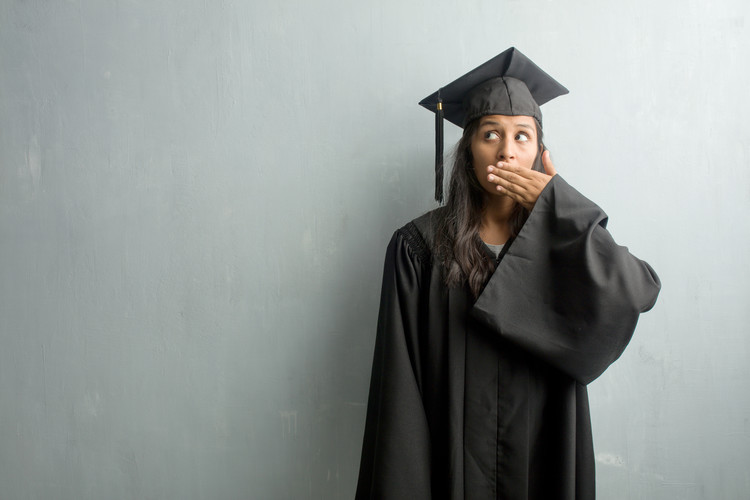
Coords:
510,139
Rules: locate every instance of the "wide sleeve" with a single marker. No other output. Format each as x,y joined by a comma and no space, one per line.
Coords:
565,291
395,460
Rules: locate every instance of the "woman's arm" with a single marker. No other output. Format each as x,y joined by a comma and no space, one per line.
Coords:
565,291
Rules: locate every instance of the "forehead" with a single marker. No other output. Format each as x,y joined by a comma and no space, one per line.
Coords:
507,121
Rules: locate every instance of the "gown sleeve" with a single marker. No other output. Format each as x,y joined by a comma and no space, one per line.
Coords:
395,460
565,291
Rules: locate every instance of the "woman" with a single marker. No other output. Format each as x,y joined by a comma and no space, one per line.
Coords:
496,311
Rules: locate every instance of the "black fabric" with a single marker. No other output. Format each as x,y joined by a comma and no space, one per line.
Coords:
462,101
500,96
487,399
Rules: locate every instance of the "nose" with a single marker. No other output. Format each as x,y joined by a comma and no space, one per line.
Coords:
505,151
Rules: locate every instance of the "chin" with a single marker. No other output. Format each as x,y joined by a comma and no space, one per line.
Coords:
491,190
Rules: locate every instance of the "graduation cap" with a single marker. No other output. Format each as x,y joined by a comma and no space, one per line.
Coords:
508,84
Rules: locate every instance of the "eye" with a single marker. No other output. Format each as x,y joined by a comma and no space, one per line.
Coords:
522,137
491,136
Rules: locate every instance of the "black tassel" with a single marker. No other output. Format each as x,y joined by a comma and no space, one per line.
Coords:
439,150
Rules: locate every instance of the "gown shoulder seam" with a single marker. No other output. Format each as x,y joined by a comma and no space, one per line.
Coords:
416,241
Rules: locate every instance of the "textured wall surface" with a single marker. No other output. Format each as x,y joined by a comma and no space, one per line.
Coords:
195,199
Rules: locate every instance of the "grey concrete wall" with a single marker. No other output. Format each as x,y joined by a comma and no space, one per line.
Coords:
195,199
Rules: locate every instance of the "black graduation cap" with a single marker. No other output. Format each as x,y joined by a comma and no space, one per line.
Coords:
508,84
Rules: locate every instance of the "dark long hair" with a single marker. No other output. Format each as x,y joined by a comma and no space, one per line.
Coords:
459,248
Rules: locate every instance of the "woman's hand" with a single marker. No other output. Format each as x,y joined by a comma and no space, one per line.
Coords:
521,184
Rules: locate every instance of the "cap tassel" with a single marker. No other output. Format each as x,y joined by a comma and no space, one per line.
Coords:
439,150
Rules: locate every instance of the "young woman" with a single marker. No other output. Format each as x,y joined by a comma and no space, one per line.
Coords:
496,311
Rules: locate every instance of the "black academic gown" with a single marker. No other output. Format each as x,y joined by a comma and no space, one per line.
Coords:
487,399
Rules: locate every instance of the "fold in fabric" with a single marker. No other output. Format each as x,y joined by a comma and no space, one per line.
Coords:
487,398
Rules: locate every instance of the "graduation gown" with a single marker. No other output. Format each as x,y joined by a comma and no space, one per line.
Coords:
484,399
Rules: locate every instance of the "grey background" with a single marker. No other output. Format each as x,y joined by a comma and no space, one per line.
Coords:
195,199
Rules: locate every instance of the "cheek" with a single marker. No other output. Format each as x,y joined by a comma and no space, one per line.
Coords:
480,173
480,162
483,155
529,157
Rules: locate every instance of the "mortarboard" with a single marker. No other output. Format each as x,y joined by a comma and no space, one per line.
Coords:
508,84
